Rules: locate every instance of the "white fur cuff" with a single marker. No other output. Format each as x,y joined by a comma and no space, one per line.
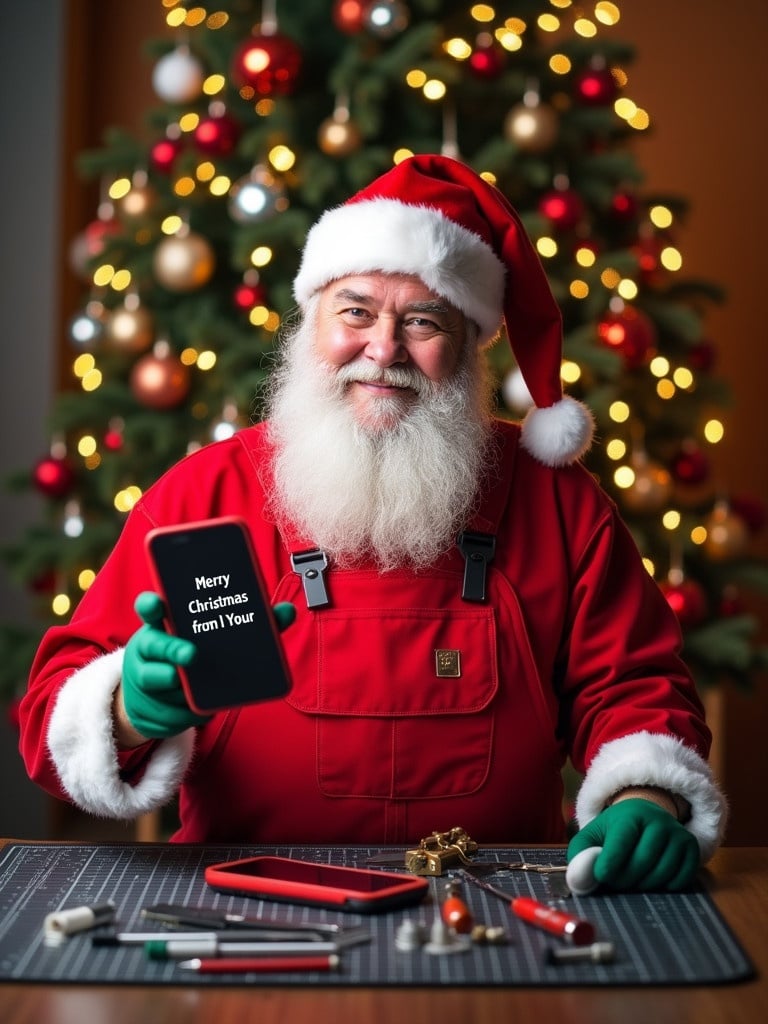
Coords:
655,759
82,747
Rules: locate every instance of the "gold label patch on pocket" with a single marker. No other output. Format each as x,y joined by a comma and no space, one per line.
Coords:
447,664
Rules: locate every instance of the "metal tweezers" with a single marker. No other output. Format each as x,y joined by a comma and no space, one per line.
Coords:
488,867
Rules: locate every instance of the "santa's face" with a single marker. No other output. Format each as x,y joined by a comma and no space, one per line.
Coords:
383,336
380,414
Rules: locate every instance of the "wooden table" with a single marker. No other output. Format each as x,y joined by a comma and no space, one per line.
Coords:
738,879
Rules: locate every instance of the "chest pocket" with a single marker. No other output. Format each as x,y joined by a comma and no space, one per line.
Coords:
401,692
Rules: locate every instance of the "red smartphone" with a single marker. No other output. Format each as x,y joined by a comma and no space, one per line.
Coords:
214,595
285,880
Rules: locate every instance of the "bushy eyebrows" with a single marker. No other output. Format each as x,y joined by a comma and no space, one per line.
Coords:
347,295
359,298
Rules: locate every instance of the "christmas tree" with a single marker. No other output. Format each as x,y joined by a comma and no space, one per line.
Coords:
266,115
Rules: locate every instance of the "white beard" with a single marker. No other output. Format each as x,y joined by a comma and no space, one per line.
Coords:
396,490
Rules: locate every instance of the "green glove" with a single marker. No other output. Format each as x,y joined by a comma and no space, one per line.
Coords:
154,700
644,847
284,614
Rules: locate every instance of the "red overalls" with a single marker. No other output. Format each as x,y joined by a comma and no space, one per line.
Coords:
412,709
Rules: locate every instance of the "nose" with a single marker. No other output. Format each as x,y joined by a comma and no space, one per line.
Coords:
383,342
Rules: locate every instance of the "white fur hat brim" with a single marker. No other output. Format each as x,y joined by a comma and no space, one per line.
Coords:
398,238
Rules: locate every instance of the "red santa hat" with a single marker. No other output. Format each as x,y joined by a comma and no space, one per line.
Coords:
437,219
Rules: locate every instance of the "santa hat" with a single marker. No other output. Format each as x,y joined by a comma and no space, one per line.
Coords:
435,218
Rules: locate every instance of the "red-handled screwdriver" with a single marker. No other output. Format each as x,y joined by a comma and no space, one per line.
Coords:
575,930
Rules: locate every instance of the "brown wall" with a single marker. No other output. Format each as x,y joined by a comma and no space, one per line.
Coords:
699,73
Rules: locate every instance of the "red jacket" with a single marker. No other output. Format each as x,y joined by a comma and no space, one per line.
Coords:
574,653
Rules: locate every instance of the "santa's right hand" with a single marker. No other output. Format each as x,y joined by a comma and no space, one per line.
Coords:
152,694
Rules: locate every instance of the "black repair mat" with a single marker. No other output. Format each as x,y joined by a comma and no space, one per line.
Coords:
660,939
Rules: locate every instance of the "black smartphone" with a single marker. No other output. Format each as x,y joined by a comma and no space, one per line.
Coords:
214,595
361,890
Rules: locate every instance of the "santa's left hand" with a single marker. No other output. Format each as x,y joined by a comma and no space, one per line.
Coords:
644,848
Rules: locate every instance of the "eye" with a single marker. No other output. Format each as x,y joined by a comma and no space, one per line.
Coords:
357,314
421,326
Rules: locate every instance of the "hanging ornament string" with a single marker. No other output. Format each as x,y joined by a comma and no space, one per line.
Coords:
338,135
685,597
450,146
268,25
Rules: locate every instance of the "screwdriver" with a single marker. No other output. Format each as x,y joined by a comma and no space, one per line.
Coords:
455,912
575,930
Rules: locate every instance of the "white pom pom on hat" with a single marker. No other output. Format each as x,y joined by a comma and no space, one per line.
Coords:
435,218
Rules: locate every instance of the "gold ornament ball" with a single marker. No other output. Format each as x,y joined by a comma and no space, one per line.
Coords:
160,382
533,129
727,535
137,203
650,489
129,330
183,263
338,138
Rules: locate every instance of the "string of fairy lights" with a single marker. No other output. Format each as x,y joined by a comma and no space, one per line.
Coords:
184,260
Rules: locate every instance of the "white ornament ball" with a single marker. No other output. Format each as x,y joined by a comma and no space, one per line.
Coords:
178,76
515,392
256,198
580,873
386,18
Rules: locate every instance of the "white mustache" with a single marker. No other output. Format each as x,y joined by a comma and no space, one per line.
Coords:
392,376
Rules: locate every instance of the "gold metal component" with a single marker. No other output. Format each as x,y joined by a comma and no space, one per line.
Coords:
491,935
447,664
439,851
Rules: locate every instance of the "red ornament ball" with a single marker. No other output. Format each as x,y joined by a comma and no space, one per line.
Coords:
163,154
563,207
630,333
349,15
623,207
596,87
751,510
44,582
249,295
267,65
13,714
160,381
687,600
113,440
648,254
53,477
90,244
690,466
217,136
703,356
487,60
731,603
98,233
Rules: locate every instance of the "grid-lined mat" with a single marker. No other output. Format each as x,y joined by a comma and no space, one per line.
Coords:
660,939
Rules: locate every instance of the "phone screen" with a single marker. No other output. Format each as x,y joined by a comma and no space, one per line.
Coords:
214,596
306,873
328,885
